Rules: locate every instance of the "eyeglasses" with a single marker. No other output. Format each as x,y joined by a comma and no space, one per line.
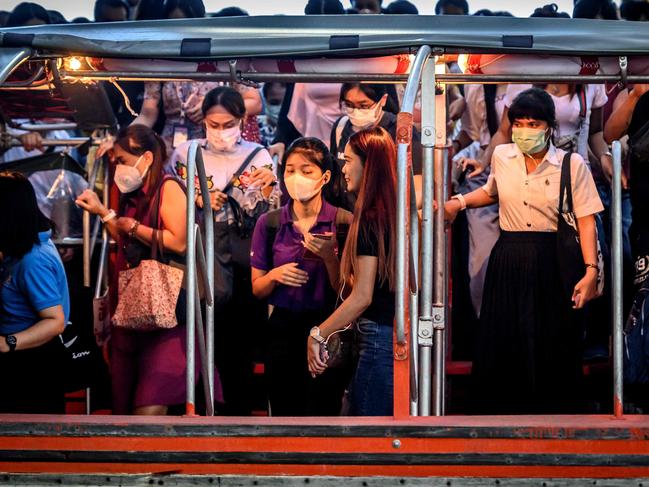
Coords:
359,106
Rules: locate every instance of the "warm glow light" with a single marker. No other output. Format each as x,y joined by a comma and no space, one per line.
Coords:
75,64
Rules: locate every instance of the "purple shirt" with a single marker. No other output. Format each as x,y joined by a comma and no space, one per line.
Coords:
287,248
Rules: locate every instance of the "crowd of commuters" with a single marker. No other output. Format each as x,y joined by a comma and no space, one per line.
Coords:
302,186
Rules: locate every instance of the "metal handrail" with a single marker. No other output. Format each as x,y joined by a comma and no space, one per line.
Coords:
616,261
407,106
195,259
425,322
87,252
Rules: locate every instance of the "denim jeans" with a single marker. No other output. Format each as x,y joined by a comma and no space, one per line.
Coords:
370,392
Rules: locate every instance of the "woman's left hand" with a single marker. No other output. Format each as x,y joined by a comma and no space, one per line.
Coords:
195,113
325,247
263,175
315,363
586,289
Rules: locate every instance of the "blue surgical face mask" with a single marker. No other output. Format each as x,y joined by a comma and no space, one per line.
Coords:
529,140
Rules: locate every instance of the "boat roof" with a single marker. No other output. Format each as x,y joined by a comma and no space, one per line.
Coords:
331,36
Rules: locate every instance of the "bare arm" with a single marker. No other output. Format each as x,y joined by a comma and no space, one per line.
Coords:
51,323
586,288
252,100
623,107
173,209
351,309
149,114
502,136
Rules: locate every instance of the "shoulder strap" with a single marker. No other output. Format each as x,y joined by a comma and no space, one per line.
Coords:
242,168
565,188
272,227
340,126
583,106
490,106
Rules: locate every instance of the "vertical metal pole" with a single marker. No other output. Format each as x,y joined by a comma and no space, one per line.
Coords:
414,299
190,403
425,329
208,223
87,274
439,261
404,139
616,264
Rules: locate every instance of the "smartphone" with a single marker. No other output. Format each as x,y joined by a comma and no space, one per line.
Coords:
308,255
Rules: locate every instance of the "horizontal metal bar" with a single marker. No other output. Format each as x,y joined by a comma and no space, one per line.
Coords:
72,141
257,77
44,127
339,77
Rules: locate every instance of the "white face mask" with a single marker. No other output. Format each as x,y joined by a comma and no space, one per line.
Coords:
224,140
364,117
128,178
301,188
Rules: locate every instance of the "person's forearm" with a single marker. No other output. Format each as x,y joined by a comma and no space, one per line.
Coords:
263,286
351,309
588,238
479,198
618,123
39,334
147,117
333,271
172,243
598,145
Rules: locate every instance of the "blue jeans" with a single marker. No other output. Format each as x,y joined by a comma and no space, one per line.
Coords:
370,392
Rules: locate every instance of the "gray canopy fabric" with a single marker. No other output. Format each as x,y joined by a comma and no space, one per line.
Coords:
332,36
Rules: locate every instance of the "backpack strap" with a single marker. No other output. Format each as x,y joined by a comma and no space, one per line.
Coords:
242,168
583,105
272,227
565,186
338,131
490,106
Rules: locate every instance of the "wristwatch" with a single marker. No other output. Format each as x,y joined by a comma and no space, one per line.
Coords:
11,342
315,334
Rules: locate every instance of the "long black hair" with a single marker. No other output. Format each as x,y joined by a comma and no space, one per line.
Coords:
22,219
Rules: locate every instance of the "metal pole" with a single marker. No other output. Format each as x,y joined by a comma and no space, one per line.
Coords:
202,348
86,227
448,78
12,60
616,264
414,298
439,261
60,142
190,273
425,329
208,221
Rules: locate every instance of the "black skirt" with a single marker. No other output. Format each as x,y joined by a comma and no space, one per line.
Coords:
528,342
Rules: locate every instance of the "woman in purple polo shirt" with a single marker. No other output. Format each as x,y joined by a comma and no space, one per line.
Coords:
295,265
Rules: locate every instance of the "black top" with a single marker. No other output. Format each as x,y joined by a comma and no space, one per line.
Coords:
389,123
639,180
382,308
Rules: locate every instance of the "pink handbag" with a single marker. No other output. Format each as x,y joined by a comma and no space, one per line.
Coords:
148,294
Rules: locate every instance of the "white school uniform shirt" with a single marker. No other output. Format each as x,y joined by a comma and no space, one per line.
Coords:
567,111
530,202
219,169
474,118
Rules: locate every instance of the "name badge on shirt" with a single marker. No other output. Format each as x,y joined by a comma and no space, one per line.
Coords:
181,135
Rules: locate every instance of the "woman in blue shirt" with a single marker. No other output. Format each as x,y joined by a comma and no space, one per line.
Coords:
34,304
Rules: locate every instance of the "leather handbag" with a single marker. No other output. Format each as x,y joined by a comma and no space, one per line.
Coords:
148,294
570,257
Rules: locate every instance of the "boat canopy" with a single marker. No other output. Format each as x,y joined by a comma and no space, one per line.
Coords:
331,36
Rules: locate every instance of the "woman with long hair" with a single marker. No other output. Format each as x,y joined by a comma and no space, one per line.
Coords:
368,268
34,304
147,369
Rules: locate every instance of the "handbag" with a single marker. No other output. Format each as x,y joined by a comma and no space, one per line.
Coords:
337,351
231,242
148,294
570,257
83,364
